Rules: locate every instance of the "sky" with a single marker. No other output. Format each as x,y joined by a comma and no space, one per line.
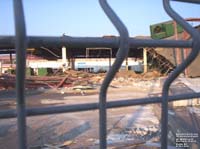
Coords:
85,17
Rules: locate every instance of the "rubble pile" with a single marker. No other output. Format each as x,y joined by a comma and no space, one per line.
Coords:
143,134
72,78
68,79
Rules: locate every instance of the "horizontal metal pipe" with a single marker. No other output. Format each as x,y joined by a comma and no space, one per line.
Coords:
7,42
94,106
189,1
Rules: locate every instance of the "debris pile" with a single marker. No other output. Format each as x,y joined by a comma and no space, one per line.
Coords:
135,129
72,78
138,135
159,62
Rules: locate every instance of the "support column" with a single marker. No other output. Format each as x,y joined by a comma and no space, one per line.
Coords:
178,52
64,58
127,64
0,67
87,52
72,63
145,59
186,52
110,59
11,61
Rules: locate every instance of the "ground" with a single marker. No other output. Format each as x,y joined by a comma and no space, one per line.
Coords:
136,123
127,127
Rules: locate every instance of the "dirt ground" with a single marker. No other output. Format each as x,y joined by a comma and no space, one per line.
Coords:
126,126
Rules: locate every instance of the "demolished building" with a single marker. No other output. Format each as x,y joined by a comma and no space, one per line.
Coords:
170,30
93,59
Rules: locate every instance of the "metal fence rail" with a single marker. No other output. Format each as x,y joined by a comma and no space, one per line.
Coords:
20,46
20,42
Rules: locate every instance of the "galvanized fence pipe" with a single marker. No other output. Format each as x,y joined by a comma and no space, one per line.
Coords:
121,55
7,42
20,46
189,1
94,106
179,69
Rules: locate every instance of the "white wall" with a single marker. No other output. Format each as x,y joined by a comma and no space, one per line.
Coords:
95,63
